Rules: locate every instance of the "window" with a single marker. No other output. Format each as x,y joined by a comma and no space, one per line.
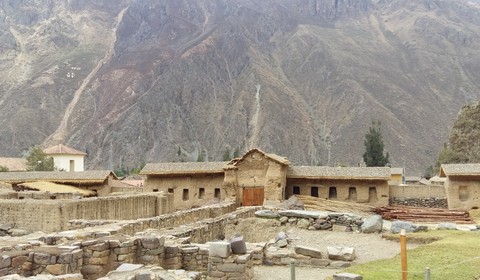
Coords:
296,190
332,193
171,190
217,193
314,191
352,194
201,193
155,190
185,194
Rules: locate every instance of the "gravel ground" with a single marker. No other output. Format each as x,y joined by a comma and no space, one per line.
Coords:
368,247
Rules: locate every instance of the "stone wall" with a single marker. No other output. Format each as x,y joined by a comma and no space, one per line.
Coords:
54,215
431,202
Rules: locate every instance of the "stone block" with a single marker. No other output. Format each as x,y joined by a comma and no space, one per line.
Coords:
231,267
307,251
341,253
397,226
319,262
122,250
40,258
5,261
244,258
144,276
189,249
124,257
65,258
56,269
303,223
238,245
347,276
102,260
99,254
92,269
114,243
128,267
18,261
99,247
219,249
340,264
269,214
339,228
171,250
69,277
152,242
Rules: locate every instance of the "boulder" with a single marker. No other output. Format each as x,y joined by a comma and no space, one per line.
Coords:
448,226
281,235
303,223
397,226
307,251
238,245
372,224
293,203
341,253
282,243
283,220
269,214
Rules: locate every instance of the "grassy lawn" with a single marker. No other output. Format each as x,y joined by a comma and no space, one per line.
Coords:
455,255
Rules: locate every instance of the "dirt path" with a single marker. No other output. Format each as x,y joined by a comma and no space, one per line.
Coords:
368,247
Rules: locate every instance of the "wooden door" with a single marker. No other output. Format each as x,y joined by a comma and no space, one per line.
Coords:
253,197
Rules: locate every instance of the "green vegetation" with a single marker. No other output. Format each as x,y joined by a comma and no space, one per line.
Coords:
37,160
226,155
3,168
374,146
454,256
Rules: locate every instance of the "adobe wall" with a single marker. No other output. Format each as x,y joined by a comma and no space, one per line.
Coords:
462,194
417,191
372,192
192,183
53,215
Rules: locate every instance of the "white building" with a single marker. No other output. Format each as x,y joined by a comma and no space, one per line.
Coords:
66,158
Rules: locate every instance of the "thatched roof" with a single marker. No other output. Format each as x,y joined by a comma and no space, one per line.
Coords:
62,150
57,188
181,168
85,177
343,173
464,169
14,164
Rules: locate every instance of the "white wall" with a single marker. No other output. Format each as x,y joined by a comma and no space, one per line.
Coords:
62,162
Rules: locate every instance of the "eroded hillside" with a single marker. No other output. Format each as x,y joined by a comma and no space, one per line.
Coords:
139,81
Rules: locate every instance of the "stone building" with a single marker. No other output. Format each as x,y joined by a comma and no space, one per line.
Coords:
98,181
259,178
462,185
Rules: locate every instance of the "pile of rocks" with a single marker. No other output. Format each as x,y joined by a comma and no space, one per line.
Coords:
315,220
8,229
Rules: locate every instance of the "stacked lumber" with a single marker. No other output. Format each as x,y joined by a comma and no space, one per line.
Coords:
420,214
321,204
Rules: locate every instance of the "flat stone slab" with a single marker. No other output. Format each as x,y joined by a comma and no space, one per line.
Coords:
341,253
347,276
269,214
303,214
128,267
219,249
308,251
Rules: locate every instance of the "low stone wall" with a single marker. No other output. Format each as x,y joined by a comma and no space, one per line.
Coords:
431,202
53,215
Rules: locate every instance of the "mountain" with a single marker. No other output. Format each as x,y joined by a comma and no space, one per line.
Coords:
133,81
462,145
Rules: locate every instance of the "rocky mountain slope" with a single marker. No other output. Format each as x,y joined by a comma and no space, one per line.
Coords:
134,81
462,145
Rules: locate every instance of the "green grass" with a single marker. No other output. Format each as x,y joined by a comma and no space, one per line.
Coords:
456,255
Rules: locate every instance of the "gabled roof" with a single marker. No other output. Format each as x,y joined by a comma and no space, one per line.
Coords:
345,173
14,164
62,150
93,176
178,168
274,157
57,188
461,169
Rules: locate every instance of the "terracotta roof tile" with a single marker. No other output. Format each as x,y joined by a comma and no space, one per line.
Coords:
62,150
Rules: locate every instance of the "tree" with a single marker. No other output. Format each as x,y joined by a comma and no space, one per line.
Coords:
226,155
3,168
37,160
373,142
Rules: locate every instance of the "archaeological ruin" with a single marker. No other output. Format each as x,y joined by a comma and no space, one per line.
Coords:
86,225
